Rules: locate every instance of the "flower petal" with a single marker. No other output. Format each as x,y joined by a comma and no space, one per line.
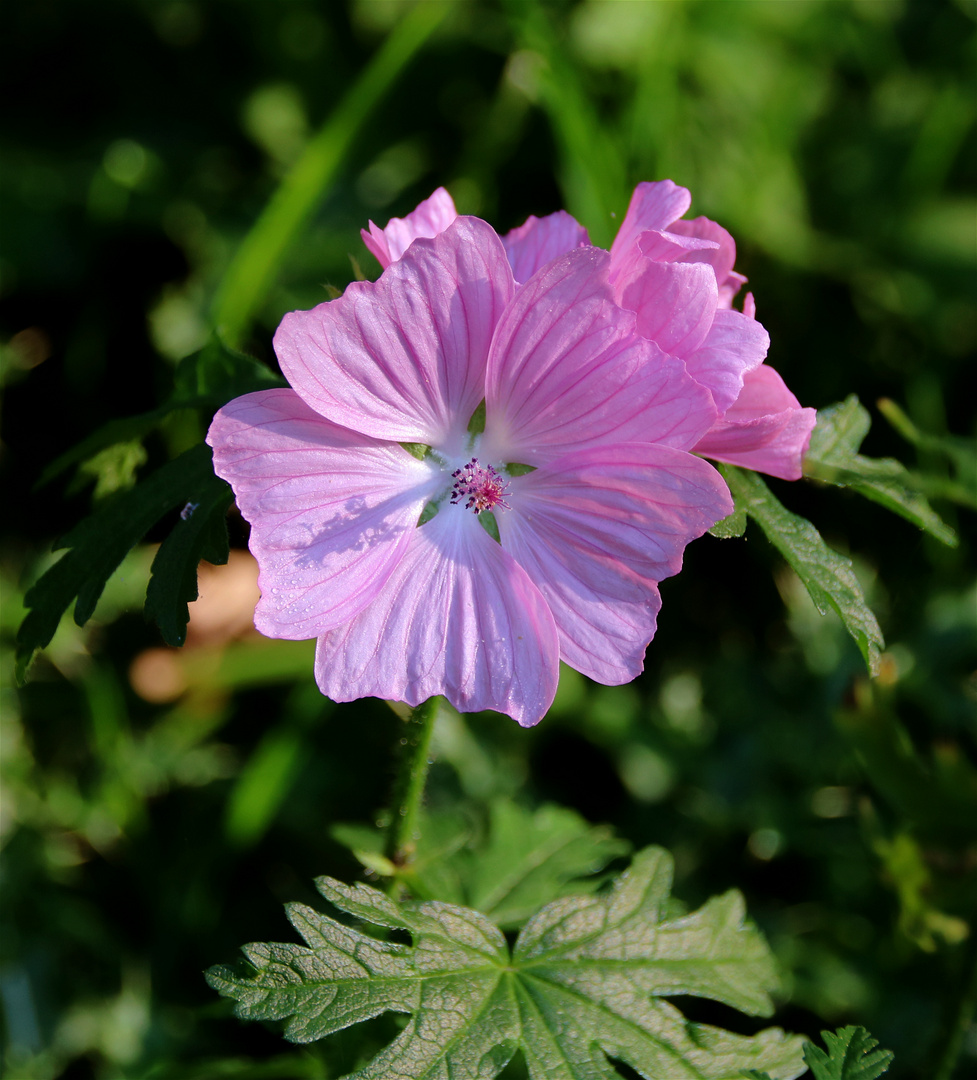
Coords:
429,218
665,245
654,205
566,369
765,429
675,302
540,240
331,511
403,358
734,346
721,255
458,617
596,531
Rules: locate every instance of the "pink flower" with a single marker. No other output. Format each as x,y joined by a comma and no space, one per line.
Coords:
583,465
677,276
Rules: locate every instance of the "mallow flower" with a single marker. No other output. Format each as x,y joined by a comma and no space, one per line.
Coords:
677,275
469,480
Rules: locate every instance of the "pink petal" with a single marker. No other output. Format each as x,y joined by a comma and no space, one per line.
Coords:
653,206
668,246
428,219
566,369
721,257
730,287
403,358
457,617
596,531
734,346
539,241
331,511
674,302
766,429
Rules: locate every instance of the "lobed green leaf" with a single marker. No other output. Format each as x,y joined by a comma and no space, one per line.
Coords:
99,543
584,983
201,533
851,1055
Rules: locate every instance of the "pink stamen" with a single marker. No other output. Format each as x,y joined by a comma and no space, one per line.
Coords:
480,485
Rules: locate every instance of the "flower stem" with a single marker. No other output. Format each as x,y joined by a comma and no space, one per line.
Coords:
404,828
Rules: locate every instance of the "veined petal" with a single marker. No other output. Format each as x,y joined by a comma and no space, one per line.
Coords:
665,245
566,369
654,205
765,429
734,346
429,218
331,511
458,617
596,531
721,254
540,240
403,358
675,302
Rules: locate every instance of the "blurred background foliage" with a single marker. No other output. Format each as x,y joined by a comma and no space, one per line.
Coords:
159,805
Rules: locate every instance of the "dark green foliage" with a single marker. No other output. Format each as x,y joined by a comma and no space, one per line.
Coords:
201,533
97,545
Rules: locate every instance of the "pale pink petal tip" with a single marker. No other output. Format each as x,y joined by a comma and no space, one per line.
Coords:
540,240
428,219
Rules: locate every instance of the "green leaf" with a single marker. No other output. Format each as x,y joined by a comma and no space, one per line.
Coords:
533,857
827,576
584,982
201,533
851,1056
99,543
833,458
219,372
730,527
115,432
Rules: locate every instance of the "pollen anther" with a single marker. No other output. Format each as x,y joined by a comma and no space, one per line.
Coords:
481,486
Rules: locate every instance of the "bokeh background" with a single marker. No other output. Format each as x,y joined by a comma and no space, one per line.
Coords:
160,805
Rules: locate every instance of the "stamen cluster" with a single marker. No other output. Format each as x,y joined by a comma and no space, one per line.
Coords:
483,486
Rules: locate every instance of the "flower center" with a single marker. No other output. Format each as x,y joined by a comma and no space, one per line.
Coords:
480,486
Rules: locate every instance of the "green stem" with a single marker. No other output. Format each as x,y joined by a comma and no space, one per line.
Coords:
404,829
253,268
962,1019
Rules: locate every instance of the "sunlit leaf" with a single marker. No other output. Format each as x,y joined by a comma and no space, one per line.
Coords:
834,458
826,575
851,1056
730,527
584,982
